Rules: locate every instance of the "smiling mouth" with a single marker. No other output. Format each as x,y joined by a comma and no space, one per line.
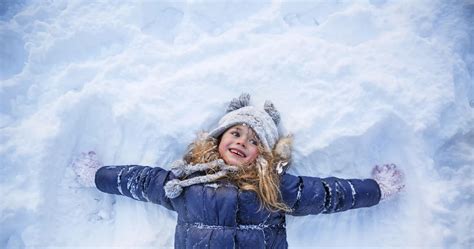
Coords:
237,152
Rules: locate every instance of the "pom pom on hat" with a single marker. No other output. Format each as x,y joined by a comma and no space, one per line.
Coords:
242,101
272,111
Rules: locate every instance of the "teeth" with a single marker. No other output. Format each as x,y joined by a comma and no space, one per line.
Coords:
237,152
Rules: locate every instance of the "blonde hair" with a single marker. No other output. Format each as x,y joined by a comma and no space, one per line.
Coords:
260,176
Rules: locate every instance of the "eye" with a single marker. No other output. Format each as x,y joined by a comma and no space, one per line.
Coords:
254,142
235,134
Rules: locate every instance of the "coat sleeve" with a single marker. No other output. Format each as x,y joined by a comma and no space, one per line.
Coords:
141,183
312,195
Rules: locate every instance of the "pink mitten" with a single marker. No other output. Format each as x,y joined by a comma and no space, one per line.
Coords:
85,167
390,179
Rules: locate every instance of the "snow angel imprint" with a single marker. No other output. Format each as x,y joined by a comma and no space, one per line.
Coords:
231,189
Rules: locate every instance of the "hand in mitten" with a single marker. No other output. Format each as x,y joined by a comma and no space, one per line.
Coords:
85,166
389,178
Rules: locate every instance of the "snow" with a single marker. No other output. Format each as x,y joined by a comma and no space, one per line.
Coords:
357,83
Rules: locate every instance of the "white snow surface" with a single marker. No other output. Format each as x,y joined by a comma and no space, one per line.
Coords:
357,83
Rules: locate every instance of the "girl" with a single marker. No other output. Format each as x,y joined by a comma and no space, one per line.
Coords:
231,189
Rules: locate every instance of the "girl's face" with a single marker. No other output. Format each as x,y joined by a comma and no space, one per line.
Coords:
239,146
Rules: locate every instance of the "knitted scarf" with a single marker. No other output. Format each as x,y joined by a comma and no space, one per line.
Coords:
181,169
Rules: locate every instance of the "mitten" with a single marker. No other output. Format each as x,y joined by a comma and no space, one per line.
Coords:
85,166
389,178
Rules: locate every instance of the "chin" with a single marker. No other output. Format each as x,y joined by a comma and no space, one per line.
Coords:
234,162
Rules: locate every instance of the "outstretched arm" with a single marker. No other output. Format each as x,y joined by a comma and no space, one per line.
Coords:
312,195
138,182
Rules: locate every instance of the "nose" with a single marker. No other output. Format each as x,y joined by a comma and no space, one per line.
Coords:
241,141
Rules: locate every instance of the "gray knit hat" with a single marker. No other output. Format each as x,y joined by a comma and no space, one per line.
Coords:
263,122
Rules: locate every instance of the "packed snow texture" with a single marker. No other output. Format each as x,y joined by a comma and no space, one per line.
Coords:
357,83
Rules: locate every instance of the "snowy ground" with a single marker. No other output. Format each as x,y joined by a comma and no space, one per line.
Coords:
358,83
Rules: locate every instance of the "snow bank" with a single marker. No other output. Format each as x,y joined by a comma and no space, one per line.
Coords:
358,83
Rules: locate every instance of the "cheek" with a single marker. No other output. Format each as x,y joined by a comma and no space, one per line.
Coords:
221,149
253,155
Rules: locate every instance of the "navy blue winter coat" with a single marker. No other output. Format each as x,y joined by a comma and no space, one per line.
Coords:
221,216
